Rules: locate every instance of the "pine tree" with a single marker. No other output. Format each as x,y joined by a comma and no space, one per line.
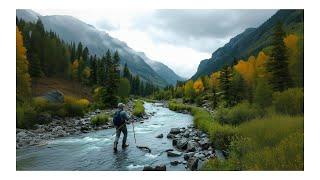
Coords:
277,65
79,51
93,67
226,84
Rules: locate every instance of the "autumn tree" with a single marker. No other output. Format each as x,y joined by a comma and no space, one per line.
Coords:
198,86
189,91
23,79
277,65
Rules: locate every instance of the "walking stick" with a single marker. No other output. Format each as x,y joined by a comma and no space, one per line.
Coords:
134,134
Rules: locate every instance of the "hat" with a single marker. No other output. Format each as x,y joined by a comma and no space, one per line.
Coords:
120,105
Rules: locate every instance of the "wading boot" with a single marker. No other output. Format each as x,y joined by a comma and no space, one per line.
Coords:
125,145
115,147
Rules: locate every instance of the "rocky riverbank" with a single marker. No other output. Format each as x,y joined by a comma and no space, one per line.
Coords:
191,144
62,127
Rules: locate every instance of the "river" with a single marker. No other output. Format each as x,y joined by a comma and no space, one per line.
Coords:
93,151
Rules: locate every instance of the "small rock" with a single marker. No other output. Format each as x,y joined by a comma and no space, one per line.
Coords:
148,168
193,163
174,131
170,136
161,167
160,136
174,153
182,144
167,150
174,163
219,154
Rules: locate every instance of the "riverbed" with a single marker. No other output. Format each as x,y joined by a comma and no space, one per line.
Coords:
93,151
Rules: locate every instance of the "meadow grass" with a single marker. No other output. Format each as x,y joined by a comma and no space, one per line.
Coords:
138,108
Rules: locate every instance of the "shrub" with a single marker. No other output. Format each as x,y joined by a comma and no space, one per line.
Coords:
240,113
271,143
75,107
138,108
26,116
289,101
100,119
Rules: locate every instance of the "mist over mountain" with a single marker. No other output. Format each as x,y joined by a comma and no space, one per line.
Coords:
71,29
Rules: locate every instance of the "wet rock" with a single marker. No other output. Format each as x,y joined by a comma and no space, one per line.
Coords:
159,136
193,163
174,131
174,142
182,144
187,156
204,143
97,111
170,136
167,150
174,163
174,153
148,168
191,146
160,167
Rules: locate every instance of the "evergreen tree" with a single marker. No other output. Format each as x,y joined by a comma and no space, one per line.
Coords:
93,67
277,65
226,84
79,50
126,72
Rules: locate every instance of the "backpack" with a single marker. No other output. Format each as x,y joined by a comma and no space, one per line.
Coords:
117,120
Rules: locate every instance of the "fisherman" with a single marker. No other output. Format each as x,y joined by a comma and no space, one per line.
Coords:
119,120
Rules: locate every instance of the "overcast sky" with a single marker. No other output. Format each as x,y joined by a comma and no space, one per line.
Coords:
178,38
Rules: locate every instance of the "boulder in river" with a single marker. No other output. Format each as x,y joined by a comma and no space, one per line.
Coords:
54,96
204,143
191,146
174,153
174,163
170,136
174,131
160,136
160,167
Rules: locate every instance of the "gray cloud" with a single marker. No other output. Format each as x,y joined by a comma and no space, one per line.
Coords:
105,25
203,30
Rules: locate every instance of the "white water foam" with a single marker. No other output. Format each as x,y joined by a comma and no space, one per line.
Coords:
133,166
152,156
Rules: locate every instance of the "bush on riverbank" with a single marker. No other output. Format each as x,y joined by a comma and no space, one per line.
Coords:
26,116
100,119
240,113
220,135
138,108
270,143
289,101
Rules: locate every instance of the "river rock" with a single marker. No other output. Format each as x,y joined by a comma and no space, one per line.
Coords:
54,96
174,142
191,146
204,143
193,163
167,150
174,153
160,167
174,131
160,136
170,136
182,144
174,163
187,156
148,168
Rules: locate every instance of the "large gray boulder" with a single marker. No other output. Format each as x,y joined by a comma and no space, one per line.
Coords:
174,153
174,131
54,96
182,144
193,163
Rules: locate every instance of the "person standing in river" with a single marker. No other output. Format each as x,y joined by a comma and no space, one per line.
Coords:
119,120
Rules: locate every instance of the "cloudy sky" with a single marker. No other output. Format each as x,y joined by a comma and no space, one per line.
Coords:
178,38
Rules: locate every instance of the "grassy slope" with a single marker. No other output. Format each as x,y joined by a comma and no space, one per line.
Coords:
69,88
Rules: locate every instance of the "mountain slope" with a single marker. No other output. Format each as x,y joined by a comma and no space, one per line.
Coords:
250,42
164,71
71,29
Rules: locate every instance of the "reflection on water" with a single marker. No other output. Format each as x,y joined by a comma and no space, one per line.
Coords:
93,151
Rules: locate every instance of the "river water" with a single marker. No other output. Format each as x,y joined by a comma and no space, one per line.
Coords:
93,151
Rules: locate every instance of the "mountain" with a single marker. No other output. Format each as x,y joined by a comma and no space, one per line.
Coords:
250,42
164,71
71,29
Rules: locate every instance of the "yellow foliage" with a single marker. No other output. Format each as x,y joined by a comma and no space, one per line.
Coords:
86,72
291,42
188,89
75,101
253,68
198,86
23,79
214,79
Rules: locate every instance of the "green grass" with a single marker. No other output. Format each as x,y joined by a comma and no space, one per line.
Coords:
100,119
274,142
138,108
238,114
220,135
